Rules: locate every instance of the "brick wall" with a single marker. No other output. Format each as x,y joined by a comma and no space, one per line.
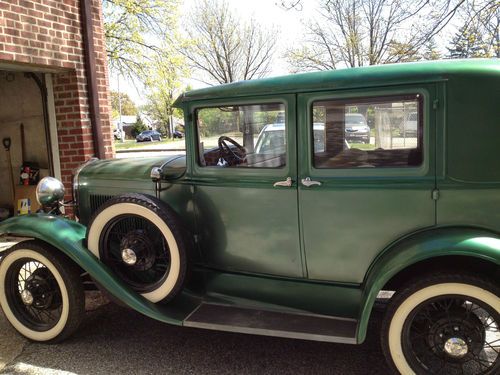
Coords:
48,33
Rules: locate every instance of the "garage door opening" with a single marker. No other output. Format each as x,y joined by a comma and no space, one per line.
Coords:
25,152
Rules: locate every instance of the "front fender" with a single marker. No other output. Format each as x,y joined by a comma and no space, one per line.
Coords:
418,247
68,236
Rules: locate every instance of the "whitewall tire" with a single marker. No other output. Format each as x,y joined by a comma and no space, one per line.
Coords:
41,293
138,236
444,323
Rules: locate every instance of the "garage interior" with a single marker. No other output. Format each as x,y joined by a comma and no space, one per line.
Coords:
24,123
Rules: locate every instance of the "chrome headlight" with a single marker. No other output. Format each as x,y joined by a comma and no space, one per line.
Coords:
49,192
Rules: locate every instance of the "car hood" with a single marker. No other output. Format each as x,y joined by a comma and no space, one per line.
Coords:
356,127
173,166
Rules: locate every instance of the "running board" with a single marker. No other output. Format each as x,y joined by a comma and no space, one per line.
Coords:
271,323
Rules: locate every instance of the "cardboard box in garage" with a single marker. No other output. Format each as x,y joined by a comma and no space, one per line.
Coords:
26,192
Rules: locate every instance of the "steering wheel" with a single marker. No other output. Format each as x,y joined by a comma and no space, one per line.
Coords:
236,157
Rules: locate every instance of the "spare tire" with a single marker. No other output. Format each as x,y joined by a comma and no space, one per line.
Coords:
143,242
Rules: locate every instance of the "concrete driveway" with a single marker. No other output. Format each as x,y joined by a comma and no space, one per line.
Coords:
115,340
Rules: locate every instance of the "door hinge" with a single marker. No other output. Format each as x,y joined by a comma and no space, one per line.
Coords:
435,194
435,104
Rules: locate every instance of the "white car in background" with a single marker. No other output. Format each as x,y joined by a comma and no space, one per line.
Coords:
271,138
356,128
117,133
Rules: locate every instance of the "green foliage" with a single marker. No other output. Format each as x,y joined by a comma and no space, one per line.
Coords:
135,31
431,51
467,42
479,33
231,120
163,85
139,127
214,121
128,106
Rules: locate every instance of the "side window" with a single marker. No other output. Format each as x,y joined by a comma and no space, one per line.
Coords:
368,133
244,136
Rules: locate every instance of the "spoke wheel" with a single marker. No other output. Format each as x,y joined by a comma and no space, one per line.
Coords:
33,293
134,248
142,240
449,335
41,293
447,324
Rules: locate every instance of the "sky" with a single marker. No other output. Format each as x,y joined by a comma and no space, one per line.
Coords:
288,22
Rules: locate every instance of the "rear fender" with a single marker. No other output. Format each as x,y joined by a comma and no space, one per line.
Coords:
69,237
424,245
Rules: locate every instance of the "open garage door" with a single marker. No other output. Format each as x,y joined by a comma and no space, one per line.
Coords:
25,152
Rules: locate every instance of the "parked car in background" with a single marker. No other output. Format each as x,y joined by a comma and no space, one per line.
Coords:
272,138
356,128
178,134
117,133
148,136
288,228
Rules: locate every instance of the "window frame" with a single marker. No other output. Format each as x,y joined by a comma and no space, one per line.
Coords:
242,174
198,156
375,100
306,151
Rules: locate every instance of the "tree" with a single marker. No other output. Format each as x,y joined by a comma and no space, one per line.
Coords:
467,42
128,106
133,29
138,127
163,85
431,51
224,48
350,33
479,33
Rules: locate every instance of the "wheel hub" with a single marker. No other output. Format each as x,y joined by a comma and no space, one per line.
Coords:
453,335
129,256
27,297
456,347
137,250
38,291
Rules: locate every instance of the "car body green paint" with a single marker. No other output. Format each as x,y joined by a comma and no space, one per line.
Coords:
68,236
341,79
454,197
426,244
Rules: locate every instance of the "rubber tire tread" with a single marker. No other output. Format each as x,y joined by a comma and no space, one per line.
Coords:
70,273
421,282
170,217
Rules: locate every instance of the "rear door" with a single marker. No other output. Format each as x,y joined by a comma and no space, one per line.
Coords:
362,187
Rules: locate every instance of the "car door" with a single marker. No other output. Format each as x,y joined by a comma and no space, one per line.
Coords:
357,197
245,192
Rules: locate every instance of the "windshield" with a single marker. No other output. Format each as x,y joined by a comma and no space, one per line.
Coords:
355,119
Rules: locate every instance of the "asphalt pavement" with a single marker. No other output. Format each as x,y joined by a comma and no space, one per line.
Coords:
116,340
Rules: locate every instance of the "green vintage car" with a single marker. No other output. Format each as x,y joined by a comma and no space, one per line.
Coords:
279,222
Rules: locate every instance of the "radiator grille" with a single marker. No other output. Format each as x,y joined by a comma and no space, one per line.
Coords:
97,201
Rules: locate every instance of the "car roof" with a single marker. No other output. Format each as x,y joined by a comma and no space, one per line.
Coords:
371,76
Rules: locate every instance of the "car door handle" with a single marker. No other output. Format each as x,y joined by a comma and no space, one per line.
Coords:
308,182
286,183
